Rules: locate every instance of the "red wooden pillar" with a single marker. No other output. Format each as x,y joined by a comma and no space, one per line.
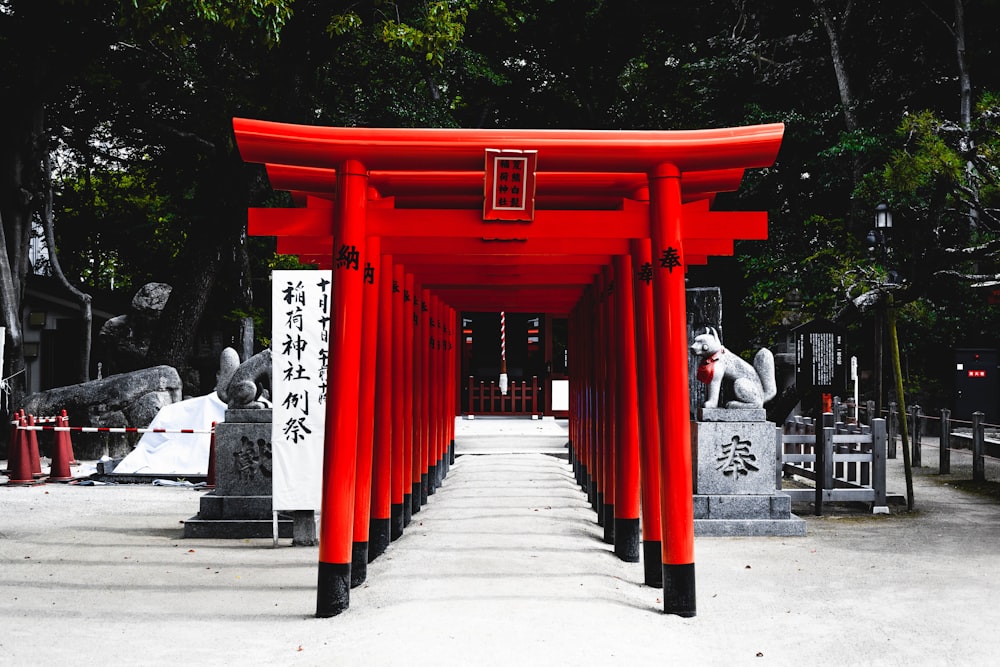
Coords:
649,418
605,419
425,393
676,488
573,416
366,411
379,534
399,478
433,394
611,404
454,372
627,425
417,349
408,398
442,391
341,435
591,314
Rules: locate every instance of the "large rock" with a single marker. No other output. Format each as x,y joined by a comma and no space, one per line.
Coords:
126,338
124,400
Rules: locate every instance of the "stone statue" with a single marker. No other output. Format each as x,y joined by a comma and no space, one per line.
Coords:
250,384
750,385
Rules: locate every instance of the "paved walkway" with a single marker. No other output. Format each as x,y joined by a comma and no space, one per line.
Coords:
504,565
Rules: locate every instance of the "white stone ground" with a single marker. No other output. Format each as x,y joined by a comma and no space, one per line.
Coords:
505,565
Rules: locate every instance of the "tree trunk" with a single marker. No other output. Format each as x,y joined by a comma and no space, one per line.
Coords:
847,100
20,167
184,310
86,313
833,32
897,370
964,79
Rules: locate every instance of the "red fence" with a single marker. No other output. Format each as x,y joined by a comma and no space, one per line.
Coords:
523,398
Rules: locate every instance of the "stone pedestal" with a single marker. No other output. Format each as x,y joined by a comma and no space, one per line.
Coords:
734,478
240,505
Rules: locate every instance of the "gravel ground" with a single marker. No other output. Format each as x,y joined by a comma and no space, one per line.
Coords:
504,565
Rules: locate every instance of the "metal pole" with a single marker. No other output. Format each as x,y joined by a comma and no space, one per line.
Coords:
944,450
978,442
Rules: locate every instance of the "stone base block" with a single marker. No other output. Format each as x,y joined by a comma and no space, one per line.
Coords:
793,527
734,457
746,516
732,415
232,529
777,506
235,517
235,507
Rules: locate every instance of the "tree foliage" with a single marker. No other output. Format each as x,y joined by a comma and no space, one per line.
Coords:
133,99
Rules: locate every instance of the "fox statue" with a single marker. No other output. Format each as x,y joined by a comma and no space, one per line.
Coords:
751,385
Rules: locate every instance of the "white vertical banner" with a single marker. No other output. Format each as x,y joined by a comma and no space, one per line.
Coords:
300,329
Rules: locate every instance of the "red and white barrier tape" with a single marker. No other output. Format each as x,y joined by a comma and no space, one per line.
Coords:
113,429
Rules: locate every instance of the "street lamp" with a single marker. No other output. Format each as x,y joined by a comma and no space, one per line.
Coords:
883,223
877,244
883,217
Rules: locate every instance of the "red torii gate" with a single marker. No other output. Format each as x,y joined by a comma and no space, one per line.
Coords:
403,209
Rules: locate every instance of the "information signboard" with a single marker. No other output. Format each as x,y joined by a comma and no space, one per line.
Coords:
819,357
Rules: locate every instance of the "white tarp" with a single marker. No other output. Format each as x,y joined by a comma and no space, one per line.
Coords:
177,453
300,316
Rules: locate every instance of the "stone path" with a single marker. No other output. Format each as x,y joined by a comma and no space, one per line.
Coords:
504,565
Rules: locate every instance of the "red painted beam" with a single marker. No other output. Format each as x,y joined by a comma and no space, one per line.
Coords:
464,189
476,275
449,149
632,222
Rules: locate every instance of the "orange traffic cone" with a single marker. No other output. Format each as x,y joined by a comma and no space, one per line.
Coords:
12,443
19,460
69,441
61,454
35,457
210,481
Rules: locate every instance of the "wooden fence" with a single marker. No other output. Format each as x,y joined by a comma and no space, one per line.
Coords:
845,462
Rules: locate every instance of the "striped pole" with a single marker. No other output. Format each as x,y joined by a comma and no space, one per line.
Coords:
503,353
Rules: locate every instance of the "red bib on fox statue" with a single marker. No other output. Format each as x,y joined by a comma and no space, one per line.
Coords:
706,368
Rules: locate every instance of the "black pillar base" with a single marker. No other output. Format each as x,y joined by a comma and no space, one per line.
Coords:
652,563
396,522
415,498
333,592
678,590
407,509
598,505
609,524
424,483
595,501
359,563
627,539
379,536
451,452
432,481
